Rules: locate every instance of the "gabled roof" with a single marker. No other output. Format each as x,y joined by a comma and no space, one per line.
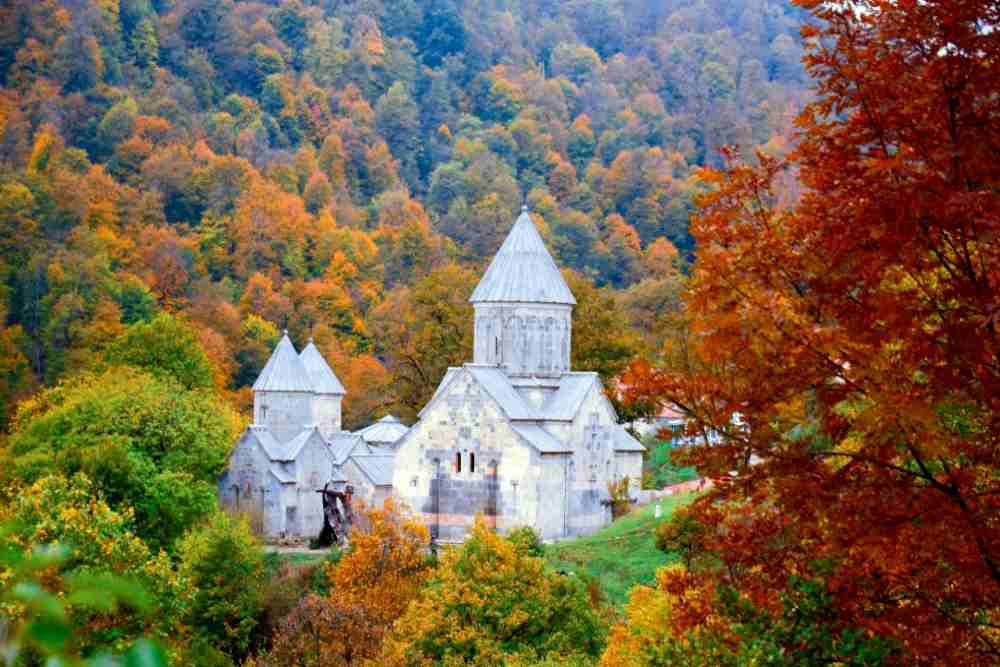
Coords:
449,375
388,429
624,442
540,439
498,386
281,475
523,270
343,445
565,403
284,371
281,451
376,467
324,380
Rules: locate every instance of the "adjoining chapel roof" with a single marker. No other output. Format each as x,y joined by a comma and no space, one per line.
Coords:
624,442
387,429
497,385
324,380
540,439
565,403
377,468
278,451
284,371
281,475
342,445
523,270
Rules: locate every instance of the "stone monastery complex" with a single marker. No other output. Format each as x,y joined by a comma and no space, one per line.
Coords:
515,435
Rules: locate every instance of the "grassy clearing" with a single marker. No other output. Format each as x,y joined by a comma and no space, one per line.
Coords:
623,554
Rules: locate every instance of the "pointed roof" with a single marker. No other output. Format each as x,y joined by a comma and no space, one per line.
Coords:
284,371
324,380
523,270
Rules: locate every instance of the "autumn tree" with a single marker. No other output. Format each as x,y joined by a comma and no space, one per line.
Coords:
849,342
422,331
146,443
490,600
370,587
100,543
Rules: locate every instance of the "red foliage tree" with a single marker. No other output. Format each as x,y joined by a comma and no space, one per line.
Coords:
851,341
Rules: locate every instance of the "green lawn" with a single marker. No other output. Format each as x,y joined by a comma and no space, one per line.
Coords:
623,554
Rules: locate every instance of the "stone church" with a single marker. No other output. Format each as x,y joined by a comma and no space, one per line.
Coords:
515,435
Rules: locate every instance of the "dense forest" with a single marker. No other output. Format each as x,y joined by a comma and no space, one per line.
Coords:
344,169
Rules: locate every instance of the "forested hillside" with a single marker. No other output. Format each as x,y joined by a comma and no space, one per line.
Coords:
344,169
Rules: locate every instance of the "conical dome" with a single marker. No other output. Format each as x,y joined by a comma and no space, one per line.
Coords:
523,271
284,371
324,380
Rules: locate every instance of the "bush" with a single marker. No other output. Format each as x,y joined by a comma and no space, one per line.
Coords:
682,534
371,586
225,565
527,538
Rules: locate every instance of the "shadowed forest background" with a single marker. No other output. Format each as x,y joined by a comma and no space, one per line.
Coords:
344,170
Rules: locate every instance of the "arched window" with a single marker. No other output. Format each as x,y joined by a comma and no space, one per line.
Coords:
472,462
458,462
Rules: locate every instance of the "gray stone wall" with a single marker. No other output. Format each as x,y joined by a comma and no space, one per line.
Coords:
313,469
592,464
284,413
241,485
497,476
326,414
523,339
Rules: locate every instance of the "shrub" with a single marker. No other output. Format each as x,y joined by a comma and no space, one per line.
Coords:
371,585
682,534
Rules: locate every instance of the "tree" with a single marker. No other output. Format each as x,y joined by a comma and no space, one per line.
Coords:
600,343
834,343
424,330
398,120
801,634
488,601
224,563
97,543
166,346
370,587
146,442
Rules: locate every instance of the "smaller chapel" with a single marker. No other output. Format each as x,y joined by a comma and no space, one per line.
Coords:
295,448
515,435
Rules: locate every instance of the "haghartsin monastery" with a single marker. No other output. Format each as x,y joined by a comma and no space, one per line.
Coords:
515,435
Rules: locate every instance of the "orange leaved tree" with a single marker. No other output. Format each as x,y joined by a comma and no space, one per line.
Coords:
370,587
851,341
